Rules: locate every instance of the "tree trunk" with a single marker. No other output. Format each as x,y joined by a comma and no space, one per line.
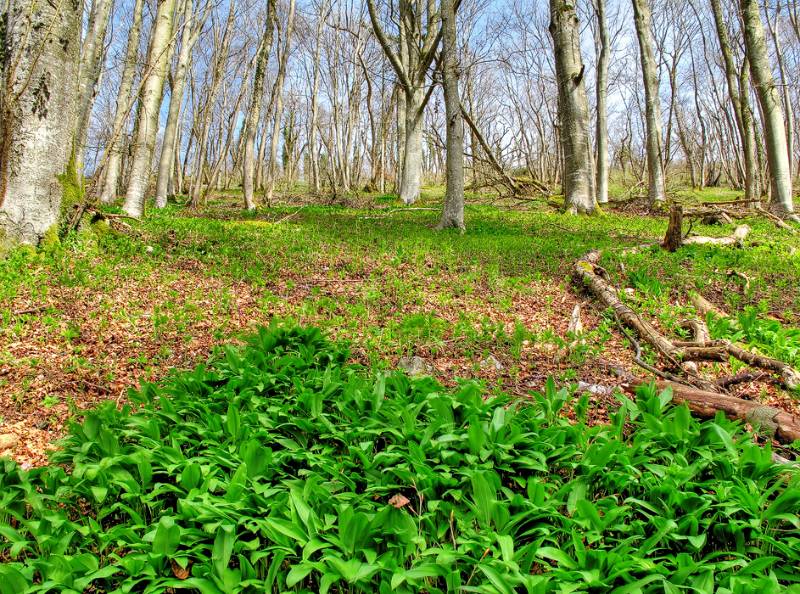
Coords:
37,114
674,237
573,107
644,35
169,145
739,92
771,112
411,176
601,134
92,54
254,110
149,106
313,150
453,209
123,107
272,170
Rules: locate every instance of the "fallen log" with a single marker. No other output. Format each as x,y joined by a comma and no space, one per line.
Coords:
720,350
779,222
776,422
738,237
592,276
704,306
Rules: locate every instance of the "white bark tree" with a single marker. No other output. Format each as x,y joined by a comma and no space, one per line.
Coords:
771,113
192,28
652,103
418,41
92,55
158,57
739,93
601,133
124,101
573,107
254,110
453,208
38,90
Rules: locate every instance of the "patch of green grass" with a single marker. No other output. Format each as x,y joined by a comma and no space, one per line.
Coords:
361,273
278,467
769,336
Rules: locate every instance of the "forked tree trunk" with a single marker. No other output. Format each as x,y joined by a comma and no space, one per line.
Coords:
38,94
123,107
416,48
771,112
573,107
655,169
453,209
149,105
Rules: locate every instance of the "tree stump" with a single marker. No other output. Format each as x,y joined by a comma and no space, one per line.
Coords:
674,237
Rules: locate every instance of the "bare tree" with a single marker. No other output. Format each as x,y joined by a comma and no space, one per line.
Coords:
771,112
453,209
92,54
158,58
418,40
192,28
601,92
123,106
573,107
254,110
738,83
285,31
642,19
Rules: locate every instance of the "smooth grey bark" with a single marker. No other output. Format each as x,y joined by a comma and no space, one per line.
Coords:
785,85
770,101
453,208
169,145
652,103
203,118
92,54
313,150
158,58
416,51
123,107
38,104
739,92
254,109
601,92
573,107
272,165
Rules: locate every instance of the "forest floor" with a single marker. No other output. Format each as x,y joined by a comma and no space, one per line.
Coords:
85,321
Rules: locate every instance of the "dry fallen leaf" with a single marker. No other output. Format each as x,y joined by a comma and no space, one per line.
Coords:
8,441
179,572
399,501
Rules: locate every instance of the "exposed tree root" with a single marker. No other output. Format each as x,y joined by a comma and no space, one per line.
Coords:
702,396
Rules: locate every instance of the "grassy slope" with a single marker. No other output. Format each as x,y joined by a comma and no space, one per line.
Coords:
104,315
